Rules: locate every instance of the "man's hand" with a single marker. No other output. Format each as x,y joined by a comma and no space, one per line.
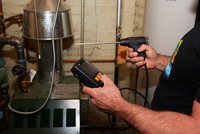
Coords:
151,56
105,98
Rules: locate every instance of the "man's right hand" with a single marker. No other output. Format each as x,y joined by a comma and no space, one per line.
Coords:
151,56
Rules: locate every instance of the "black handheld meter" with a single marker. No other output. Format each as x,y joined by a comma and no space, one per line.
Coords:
87,73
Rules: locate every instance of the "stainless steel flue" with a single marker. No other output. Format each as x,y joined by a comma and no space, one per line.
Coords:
39,16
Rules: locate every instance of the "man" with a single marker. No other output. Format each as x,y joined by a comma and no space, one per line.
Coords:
175,107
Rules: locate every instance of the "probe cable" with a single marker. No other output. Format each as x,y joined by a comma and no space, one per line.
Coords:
145,97
146,103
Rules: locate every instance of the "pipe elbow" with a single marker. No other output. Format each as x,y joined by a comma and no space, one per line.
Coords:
15,41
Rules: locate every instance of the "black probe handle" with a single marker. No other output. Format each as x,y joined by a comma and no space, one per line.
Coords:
135,47
135,43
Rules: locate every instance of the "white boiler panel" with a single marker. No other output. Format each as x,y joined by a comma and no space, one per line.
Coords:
166,21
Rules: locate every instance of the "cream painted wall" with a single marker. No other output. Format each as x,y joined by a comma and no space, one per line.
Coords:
167,21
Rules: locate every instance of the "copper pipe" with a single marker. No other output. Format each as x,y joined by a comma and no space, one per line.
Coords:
3,28
1,9
93,60
17,19
90,60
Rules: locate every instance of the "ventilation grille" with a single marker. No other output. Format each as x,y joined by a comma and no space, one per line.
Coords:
59,116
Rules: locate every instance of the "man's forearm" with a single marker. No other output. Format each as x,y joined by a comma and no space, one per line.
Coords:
161,62
148,121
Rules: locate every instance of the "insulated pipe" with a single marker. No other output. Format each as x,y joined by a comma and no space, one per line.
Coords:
19,46
82,26
3,74
119,8
4,85
118,36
